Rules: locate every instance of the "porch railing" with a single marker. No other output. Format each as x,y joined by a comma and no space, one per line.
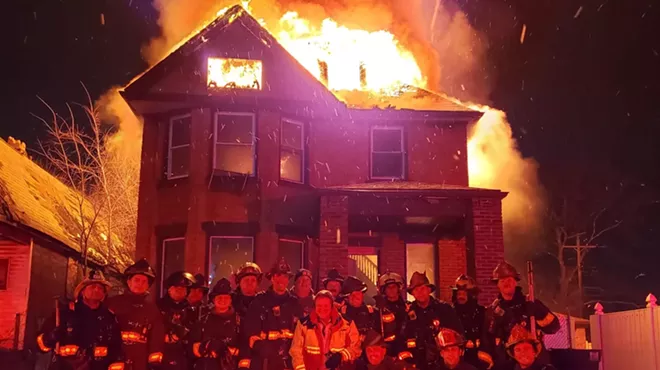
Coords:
366,266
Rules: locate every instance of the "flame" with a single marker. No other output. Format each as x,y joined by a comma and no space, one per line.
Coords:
234,73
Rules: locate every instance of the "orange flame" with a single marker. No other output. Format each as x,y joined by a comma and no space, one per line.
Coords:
234,73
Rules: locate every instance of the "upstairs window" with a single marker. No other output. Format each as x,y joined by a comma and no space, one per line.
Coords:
292,151
233,149
387,159
232,73
178,147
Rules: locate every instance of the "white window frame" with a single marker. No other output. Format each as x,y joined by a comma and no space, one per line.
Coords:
302,149
302,248
209,251
372,152
253,144
162,259
170,147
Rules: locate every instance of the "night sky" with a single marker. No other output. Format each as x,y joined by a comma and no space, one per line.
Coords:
582,94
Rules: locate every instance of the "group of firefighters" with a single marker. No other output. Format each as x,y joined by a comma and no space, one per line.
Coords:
195,327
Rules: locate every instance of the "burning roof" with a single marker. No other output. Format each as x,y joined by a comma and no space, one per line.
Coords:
404,97
32,197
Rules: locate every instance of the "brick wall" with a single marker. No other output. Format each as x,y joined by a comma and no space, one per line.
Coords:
392,255
452,260
333,253
488,243
14,299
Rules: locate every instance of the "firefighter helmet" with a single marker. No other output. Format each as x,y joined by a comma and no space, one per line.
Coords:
465,282
449,338
140,267
248,269
333,275
389,278
519,335
93,277
419,279
180,278
281,267
373,338
505,270
221,287
201,282
303,272
353,284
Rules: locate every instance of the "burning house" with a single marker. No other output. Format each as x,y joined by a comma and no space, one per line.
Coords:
250,153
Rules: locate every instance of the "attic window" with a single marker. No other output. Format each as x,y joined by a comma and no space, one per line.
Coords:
230,73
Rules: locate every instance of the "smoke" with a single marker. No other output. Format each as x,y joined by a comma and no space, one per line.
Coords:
452,56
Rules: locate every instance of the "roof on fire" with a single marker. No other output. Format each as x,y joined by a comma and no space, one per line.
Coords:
407,98
417,187
33,198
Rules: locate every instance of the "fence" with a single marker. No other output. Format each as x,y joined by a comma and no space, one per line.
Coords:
628,339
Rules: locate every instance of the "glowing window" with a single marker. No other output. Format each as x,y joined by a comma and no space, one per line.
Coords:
230,73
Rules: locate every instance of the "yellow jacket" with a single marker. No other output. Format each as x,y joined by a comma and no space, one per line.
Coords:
308,352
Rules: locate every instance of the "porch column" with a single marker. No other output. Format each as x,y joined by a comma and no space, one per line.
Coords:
488,243
333,234
393,255
452,262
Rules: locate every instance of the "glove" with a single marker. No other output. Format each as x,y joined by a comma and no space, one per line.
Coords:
333,361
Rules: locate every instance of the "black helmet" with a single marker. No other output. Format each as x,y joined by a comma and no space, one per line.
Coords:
180,278
221,287
248,269
140,267
201,282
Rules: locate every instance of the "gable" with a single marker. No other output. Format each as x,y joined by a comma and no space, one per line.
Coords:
234,35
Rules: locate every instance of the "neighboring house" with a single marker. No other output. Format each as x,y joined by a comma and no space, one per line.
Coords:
236,171
39,248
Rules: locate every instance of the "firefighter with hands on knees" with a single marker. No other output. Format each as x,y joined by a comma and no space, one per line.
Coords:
426,317
452,348
198,305
525,350
355,310
247,278
213,340
173,308
324,339
302,290
270,322
140,320
473,317
512,307
84,334
375,354
334,283
393,311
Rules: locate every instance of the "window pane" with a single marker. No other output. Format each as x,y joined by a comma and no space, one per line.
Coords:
291,250
227,255
179,161
387,140
234,158
234,129
387,165
420,257
173,257
180,131
291,166
291,135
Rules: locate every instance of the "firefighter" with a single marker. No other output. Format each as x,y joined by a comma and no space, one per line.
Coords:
247,278
214,339
525,350
426,316
473,318
173,308
140,320
84,333
393,309
324,340
198,305
452,348
355,310
302,290
512,308
270,322
334,282
375,354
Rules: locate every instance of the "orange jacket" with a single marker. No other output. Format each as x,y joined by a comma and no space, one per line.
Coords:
307,351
